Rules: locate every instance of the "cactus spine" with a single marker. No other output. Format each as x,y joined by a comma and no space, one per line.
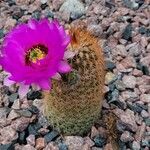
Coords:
74,103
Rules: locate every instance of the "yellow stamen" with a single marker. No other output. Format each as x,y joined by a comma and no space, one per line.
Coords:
36,54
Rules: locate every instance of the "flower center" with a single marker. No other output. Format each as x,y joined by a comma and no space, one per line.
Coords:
36,53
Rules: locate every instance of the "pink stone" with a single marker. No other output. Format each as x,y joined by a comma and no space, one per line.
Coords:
119,50
128,119
129,81
51,146
40,143
94,132
130,96
144,114
88,142
31,140
144,88
56,4
146,60
137,73
7,134
144,41
28,147
126,137
74,142
9,24
145,98
108,146
20,124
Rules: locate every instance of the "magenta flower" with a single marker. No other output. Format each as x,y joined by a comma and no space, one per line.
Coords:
33,53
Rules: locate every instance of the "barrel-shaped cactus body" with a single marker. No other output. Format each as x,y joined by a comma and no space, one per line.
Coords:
74,103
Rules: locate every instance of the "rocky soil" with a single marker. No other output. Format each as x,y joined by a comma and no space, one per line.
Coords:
123,27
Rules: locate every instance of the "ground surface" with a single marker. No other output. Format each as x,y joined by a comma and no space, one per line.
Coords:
124,29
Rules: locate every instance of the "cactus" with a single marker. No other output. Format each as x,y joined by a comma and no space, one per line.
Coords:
74,103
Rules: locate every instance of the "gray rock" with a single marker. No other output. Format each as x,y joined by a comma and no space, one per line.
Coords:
148,108
99,141
131,4
43,1
33,109
8,146
129,81
120,85
33,128
88,2
74,7
110,78
1,33
39,104
127,33
22,137
32,95
134,107
147,121
50,136
43,121
114,96
13,97
24,113
134,49
95,29
36,14
110,65
146,141
17,13
136,145
4,111
62,146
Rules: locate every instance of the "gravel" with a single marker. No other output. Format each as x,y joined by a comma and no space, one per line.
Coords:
73,7
124,30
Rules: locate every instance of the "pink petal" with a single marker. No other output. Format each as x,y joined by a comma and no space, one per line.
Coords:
64,67
32,24
66,41
23,90
8,82
69,54
57,76
45,84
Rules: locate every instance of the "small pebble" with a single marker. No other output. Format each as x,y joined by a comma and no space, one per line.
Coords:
50,136
136,145
31,139
40,143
